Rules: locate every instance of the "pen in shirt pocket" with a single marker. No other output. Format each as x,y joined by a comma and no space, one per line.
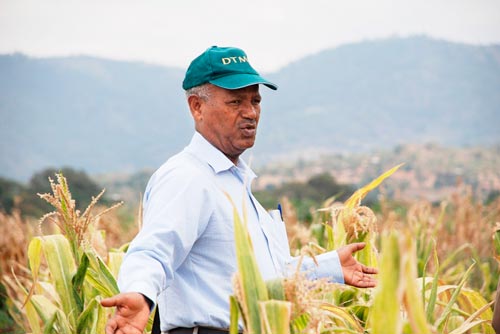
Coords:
280,210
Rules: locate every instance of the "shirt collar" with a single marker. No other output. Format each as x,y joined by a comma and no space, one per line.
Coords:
205,151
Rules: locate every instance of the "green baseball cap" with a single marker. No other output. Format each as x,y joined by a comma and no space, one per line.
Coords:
225,67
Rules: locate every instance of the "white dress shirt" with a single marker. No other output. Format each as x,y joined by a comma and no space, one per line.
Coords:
183,258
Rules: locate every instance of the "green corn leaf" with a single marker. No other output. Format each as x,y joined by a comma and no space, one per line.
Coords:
100,277
149,324
338,236
343,316
385,317
481,317
424,254
412,299
345,296
235,315
356,198
51,325
361,312
86,320
299,323
471,301
466,326
34,258
275,316
447,310
431,304
44,308
62,267
32,318
63,324
103,315
115,260
78,280
331,242
251,281
275,289
368,255
474,303
48,290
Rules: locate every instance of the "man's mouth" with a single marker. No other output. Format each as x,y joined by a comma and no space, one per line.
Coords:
248,129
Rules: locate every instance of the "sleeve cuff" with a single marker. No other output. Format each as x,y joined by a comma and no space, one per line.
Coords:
328,267
151,304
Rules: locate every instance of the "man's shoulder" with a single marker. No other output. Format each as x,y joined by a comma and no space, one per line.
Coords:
182,167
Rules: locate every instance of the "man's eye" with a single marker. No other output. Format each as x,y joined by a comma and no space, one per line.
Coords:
235,102
256,101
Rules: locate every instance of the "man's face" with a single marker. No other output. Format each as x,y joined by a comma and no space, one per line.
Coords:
228,118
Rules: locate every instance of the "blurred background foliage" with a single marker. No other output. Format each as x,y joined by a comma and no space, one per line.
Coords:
460,226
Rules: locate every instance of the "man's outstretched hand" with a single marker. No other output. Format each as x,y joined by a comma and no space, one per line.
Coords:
131,316
355,273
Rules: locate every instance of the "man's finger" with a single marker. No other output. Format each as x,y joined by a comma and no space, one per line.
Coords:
111,301
370,270
357,246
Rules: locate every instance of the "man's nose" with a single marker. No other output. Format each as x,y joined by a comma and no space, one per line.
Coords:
249,110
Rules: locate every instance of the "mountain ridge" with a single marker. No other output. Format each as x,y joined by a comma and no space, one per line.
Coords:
102,115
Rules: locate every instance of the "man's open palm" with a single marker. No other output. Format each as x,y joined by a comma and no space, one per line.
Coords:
355,273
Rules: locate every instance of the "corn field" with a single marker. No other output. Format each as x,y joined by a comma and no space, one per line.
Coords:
437,268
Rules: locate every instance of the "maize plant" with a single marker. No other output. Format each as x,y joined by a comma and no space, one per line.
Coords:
402,303
68,276
418,291
302,305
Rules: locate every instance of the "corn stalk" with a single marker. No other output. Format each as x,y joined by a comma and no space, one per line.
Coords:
68,277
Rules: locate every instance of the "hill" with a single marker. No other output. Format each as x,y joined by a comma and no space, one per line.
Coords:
107,116
389,92
94,114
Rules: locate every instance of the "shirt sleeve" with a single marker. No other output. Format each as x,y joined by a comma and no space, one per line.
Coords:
176,211
328,267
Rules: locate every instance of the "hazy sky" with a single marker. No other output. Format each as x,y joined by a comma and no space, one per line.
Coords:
273,33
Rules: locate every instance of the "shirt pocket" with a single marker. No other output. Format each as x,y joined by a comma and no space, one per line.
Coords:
279,239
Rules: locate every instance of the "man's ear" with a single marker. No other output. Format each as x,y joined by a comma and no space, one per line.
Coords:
195,105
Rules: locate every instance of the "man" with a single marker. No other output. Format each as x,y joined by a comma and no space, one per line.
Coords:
184,256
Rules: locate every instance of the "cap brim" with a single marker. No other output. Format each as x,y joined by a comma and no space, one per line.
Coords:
237,81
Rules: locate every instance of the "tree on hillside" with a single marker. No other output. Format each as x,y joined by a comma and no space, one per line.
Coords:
10,192
304,196
325,186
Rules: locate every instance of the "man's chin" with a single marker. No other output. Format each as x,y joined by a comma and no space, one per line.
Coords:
248,143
